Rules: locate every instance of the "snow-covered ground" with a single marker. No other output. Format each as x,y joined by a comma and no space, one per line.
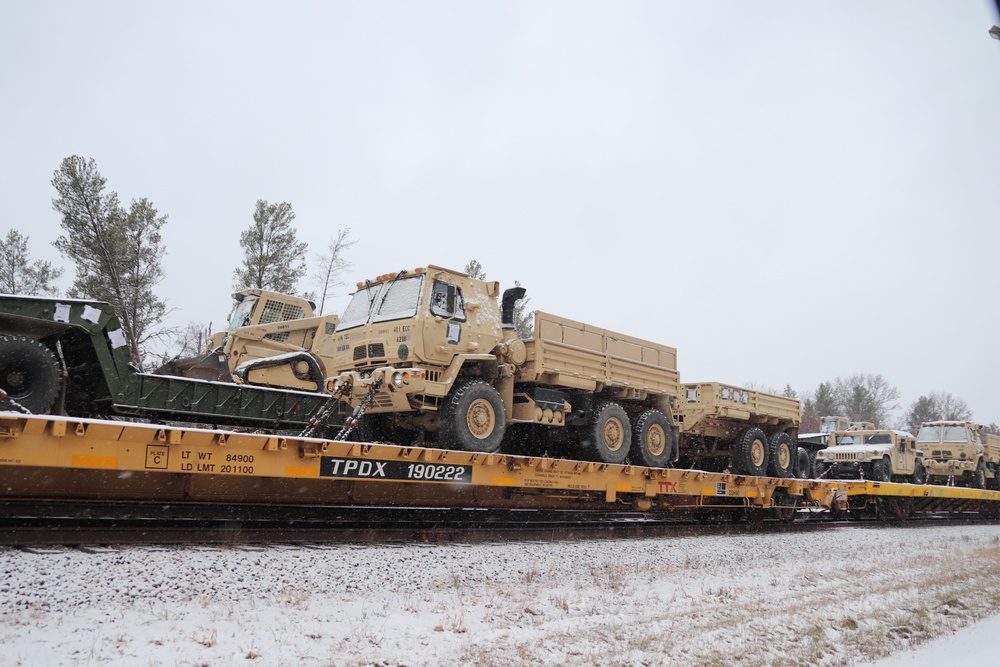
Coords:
830,596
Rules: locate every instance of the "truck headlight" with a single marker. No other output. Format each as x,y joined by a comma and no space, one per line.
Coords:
397,379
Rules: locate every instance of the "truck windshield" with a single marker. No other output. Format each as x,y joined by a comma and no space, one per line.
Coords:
383,302
357,310
400,299
943,434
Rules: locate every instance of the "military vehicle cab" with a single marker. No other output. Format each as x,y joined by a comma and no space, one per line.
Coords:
873,454
961,453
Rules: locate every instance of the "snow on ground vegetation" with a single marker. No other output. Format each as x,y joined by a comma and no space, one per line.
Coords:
829,596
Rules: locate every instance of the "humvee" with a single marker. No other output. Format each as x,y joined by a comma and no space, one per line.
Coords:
876,454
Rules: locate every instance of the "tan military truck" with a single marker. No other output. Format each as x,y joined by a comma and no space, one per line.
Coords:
273,340
881,455
429,354
960,453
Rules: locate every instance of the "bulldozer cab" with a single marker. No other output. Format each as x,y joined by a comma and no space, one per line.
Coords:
256,306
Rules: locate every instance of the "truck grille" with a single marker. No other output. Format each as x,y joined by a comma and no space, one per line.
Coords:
372,350
941,454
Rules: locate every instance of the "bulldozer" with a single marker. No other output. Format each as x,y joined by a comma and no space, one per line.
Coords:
273,340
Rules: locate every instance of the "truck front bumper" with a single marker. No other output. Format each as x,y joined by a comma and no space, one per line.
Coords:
396,385
948,468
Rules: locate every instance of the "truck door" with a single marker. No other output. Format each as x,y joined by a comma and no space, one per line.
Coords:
445,333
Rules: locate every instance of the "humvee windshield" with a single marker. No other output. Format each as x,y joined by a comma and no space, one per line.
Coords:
943,434
848,439
878,439
383,302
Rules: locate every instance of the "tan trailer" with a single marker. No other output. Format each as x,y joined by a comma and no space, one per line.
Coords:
746,431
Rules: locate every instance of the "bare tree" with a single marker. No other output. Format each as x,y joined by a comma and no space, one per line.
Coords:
866,397
273,258
18,274
117,253
331,265
936,406
475,270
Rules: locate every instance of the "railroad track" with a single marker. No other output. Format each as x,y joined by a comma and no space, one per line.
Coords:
40,524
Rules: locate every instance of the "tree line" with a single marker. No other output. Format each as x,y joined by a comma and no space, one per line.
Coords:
117,255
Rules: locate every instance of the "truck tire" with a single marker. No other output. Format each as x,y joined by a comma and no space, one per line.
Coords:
608,436
803,464
29,373
654,442
750,453
823,470
782,455
882,470
919,473
472,418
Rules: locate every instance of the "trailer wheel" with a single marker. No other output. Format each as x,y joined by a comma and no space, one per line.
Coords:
653,440
882,470
750,453
608,436
803,467
919,473
29,373
472,418
782,455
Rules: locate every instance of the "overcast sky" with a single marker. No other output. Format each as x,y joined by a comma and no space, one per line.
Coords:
787,192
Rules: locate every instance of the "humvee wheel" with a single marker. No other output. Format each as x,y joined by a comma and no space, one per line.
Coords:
781,461
919,473
472,418
29,373
750,453
882,470
608,436
653,442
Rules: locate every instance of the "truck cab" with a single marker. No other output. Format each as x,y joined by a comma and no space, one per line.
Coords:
960,453
880,455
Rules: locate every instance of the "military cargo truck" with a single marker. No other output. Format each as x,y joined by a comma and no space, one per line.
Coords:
429,354
960,453
273,340
878,455
69,356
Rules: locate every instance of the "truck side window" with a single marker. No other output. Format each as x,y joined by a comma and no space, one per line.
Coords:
447,301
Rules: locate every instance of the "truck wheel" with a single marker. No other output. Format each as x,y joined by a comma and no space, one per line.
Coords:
882,470
803,467
608,436
750,453
653,440
29,373
781,459
472,418
823,470
919,473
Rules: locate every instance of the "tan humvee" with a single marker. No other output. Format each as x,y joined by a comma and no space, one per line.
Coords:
429,354
880,455
961,453
273,340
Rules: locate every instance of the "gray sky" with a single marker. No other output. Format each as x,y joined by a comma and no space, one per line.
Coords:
787,192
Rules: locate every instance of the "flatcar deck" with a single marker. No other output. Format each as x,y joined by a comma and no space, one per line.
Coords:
61,458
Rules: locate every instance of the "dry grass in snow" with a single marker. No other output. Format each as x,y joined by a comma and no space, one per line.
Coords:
823,597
